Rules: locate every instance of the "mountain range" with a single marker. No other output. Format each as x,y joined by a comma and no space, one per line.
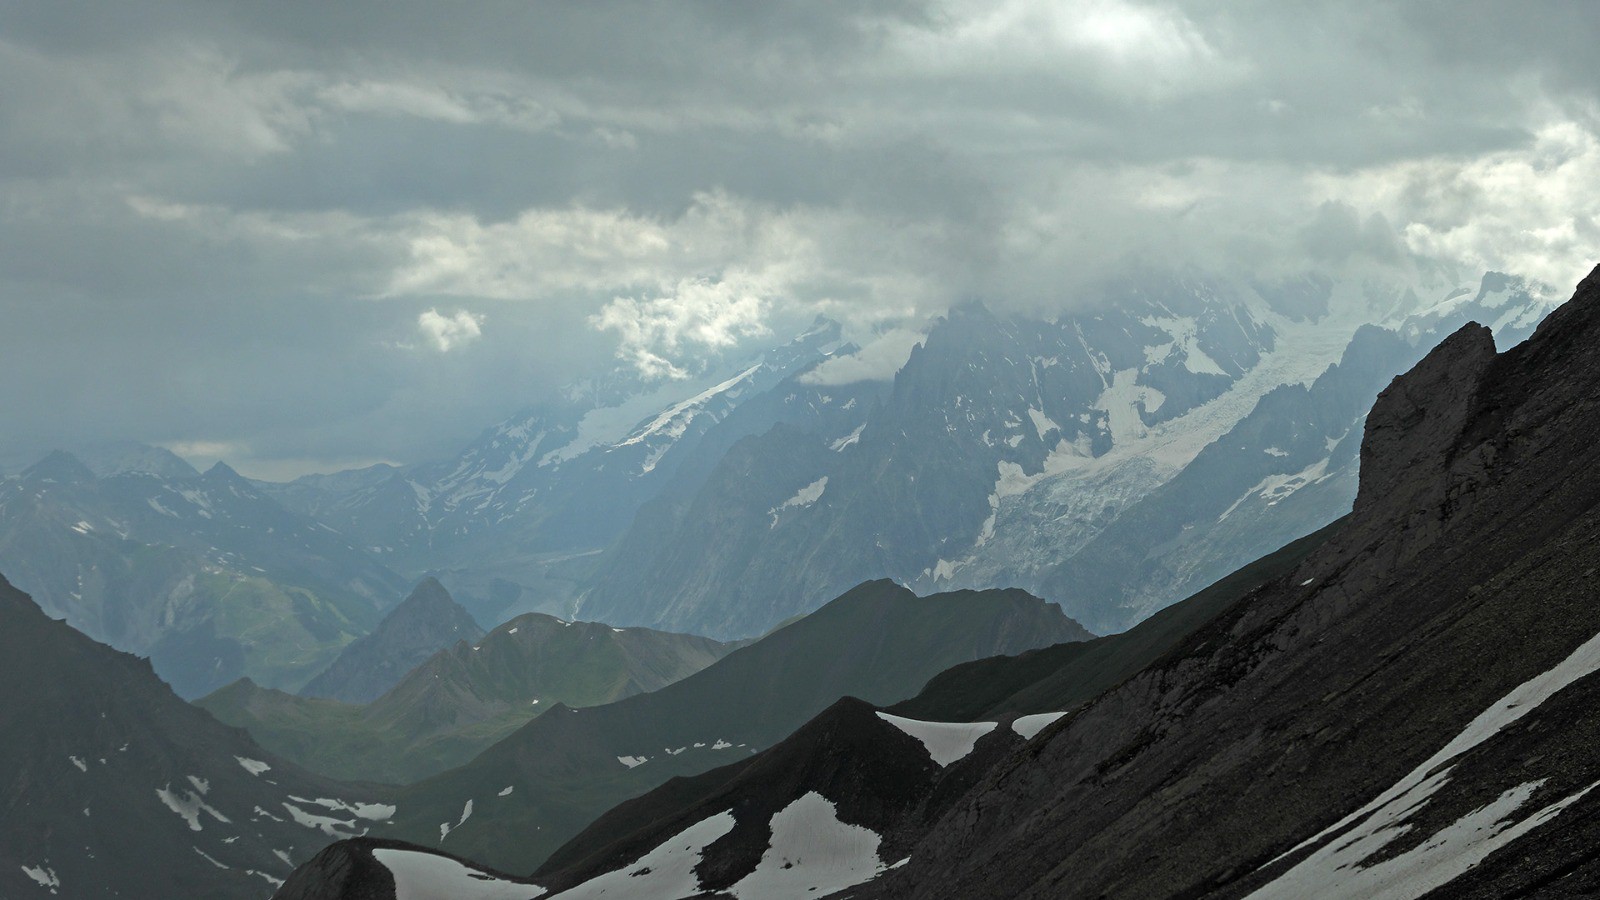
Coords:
503,523
1401,704
1112,461
525,795
203,573
465,697
1008,450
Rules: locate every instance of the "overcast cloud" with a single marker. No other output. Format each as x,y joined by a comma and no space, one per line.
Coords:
304,235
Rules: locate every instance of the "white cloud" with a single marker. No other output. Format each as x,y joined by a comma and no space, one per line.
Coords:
672,289
877,361
1131,50
447,332
696,316
1529,211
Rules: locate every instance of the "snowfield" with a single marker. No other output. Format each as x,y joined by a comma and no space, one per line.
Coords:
665,873
812,854
946,742
425,876
1030,726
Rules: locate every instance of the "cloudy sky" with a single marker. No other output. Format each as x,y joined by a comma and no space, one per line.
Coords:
307,235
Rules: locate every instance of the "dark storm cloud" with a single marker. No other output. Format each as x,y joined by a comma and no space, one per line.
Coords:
226,224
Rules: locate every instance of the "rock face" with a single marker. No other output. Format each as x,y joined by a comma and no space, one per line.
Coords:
423,624
114,787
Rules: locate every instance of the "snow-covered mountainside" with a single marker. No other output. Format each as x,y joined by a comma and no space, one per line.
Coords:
544,489
205,574
1007,448
1007,451
114,787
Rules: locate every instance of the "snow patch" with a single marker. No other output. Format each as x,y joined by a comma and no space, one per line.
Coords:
1451,852
1335,871
1275,488
445,827
631,761
275,882
944,570
946,742
1030,726
253,766
506,792
1042,424
188,807
44,875
82,766
853,437
339,828
665,872
806,496
672,423
1185,340
156,505
372,812
426,876
812,854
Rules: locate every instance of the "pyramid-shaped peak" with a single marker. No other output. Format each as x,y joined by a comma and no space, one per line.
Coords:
221,471
59,467
428,592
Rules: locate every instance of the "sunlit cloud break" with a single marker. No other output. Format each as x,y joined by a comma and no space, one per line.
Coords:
448,332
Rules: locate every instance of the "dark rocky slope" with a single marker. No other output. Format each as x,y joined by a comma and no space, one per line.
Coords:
876,776
111,786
